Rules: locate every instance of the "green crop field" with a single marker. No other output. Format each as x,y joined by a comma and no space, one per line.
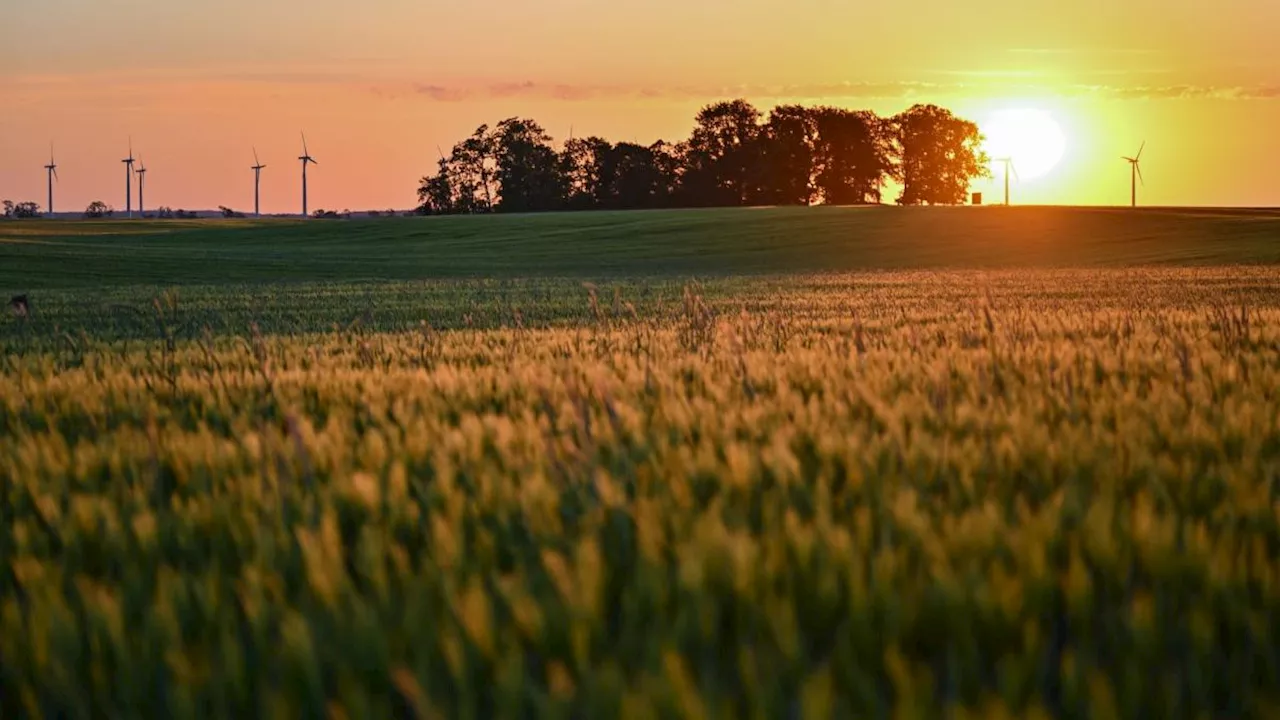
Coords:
855,463
624,244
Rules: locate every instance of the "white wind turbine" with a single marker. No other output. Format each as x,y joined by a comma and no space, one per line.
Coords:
258,167
1135,174
306,160
51,170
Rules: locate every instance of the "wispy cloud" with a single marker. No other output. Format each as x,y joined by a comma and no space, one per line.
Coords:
1080,51
1183,92
584,92
437,92
949,84
979,84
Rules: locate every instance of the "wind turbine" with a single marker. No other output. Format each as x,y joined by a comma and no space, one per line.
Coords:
52,171
1135,174
306,160
257,179
1008,167
142,178
128,180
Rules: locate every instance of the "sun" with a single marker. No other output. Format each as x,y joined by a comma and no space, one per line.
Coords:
1030,137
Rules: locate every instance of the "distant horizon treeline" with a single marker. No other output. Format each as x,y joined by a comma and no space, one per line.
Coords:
735,156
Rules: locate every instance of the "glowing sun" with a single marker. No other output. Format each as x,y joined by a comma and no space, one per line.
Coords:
1031,138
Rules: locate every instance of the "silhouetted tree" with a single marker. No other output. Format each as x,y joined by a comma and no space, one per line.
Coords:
637,177
787,156
940,155
529,173
20,211
472,171
98,209
799,156
465,182
854,156
584,163
229,213
721,157
435,194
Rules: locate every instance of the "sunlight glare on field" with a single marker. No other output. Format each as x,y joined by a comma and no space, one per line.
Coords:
1032,138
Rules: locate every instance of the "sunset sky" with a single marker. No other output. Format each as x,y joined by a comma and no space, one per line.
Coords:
378,84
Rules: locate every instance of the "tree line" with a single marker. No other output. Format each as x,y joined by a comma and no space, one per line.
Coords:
20,210
735,156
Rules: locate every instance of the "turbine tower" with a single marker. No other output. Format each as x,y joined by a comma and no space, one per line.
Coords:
128,180
306,160
51,170
257,180
142,178
1135,175
1008,168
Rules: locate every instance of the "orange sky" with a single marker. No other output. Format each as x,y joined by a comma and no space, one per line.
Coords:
378,84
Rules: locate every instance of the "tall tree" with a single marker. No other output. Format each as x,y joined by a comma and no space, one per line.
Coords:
853,156
435,193
639,177
529,173
584,164
465,181
472,170
940,156
786,165
721,156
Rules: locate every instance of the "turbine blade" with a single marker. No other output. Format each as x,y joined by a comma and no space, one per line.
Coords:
55,174
1141,179
1015,171
304,144
1140,149
256,161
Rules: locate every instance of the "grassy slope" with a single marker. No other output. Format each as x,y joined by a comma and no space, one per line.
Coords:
45,255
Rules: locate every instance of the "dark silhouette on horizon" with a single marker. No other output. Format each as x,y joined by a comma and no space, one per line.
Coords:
734,157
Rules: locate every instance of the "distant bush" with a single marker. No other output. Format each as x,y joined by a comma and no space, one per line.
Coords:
229,213
168,213
98,209
21,211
